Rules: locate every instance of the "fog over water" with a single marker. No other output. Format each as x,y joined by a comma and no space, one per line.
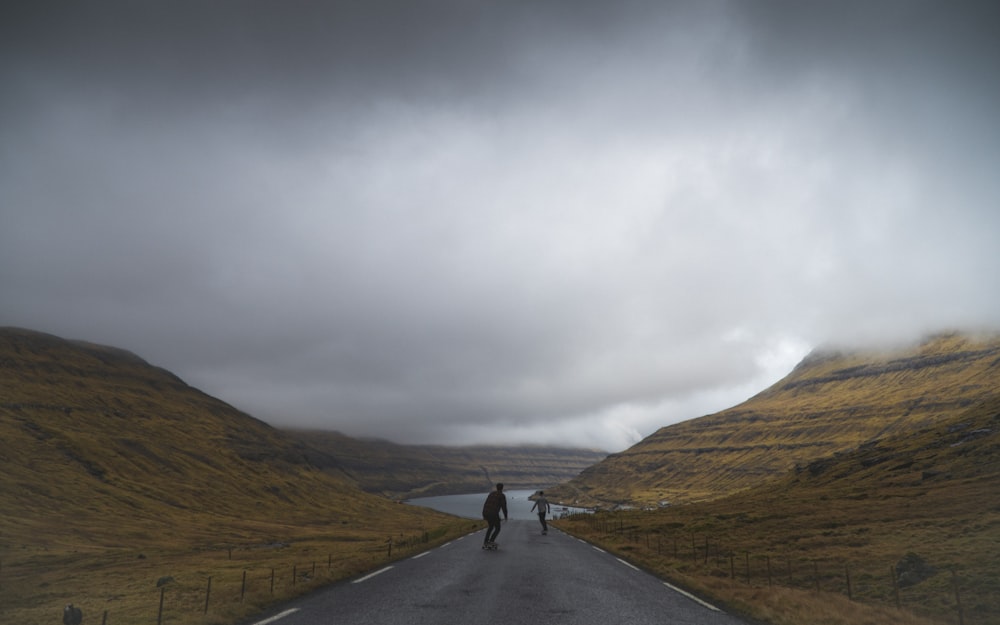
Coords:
471,505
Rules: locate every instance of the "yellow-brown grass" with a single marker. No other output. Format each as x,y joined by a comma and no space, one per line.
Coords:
830,403
795,549
115,475
37,581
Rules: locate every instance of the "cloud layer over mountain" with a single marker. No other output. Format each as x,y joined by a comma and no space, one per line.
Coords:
443,221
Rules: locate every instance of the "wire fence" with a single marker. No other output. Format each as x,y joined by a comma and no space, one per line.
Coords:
885,584
230,592
287,579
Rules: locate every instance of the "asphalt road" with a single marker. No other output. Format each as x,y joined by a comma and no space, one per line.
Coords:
530,579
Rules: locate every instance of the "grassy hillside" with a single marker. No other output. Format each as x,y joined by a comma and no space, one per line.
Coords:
406,471
822,542
115,475
832,402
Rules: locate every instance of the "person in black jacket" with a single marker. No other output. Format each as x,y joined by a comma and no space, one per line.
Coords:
495,502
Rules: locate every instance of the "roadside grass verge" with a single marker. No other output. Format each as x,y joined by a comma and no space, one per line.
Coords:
825,561
202,583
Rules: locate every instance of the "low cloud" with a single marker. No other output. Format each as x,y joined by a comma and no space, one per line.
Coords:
553,222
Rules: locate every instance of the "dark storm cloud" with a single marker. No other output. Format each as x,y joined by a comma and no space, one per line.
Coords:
481,221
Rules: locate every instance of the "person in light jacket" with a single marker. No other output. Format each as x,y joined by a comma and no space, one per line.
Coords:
543,508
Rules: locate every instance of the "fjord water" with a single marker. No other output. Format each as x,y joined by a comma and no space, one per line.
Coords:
470,505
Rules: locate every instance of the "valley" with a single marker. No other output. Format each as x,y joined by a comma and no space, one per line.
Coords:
408,471
122,487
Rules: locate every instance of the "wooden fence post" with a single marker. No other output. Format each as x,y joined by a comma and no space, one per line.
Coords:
816,574
159,614
272,580
243,587
767,560
958,598
747,554
895,585
847,576
208,593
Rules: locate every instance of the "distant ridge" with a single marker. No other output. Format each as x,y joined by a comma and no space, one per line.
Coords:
408,471
831,402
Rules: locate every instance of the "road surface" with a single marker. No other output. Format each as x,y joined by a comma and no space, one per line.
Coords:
552,579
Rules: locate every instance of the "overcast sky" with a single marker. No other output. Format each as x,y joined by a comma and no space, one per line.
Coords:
475,221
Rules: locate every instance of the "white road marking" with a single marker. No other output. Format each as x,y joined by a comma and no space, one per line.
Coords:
631,566
598,549
277,617
692,597
420,555
444,545
371,575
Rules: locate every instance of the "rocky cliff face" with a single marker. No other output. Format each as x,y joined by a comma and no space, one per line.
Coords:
831,402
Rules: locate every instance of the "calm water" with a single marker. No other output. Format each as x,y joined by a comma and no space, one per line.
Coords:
471,506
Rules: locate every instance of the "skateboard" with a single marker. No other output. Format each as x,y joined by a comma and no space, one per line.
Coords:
490,546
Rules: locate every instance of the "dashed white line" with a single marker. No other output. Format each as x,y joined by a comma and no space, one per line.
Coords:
598,549
692,597
276,617
420,555
371,575
631,566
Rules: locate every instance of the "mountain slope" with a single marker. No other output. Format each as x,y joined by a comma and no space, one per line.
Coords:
927,495
406,471
119,469
831,402
101,427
